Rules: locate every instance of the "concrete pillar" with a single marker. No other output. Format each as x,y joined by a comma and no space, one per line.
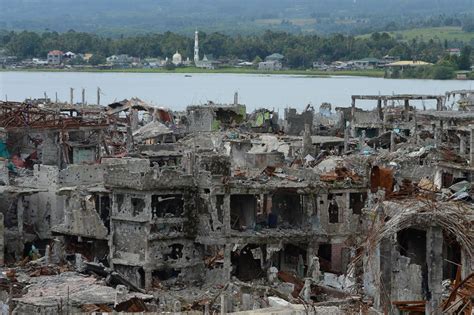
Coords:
353,110
247,302
362,139
392,141
437,136
19,215
407,110
385,273
148,279
223,304
462,144
47,254
379,108
415,127
439,103
346,139
434,259
2,241
471,146
227,263
307,142
226,214
133,115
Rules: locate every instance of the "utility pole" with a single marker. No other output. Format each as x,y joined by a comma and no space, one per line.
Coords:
56,97
83,96
72,96
98,95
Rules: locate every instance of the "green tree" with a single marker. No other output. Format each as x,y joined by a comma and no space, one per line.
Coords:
442,72
96,59
464,60
257,59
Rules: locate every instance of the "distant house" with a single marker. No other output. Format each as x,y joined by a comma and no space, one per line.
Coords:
462,75
122,61
318,65
87,56
39,62
340,65
272,65
389,59
244,64
69,55
454,51
407,64
55,57
367,63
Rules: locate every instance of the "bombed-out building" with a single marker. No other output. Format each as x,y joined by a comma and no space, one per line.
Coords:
216,209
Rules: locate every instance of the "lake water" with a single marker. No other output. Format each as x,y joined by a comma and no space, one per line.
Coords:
176,91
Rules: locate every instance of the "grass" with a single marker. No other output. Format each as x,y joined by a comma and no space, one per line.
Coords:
191,70
449,33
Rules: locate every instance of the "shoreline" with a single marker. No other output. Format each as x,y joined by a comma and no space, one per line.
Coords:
309,73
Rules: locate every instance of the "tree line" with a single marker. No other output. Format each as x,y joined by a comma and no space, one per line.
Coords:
299,50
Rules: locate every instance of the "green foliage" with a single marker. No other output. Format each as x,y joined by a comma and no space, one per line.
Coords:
442,72
300,51
76,61
97,59
257,59
464,61
468,24
170,66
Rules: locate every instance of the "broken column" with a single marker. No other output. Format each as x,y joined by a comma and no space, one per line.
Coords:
362,139
392,141
227,262
379,108
462,144
437,135
353,110
307,142
224,303
346,139
471,146
2,241
407,110
439,103
434,259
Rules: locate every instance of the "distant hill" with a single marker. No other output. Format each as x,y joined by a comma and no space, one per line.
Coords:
115,17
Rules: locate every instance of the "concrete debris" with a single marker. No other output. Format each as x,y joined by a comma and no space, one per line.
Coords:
134,208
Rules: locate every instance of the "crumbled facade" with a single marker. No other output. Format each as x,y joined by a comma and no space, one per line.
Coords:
196,208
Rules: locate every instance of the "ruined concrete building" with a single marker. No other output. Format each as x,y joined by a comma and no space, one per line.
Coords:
215,209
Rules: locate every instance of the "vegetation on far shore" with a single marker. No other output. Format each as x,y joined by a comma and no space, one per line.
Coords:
299,51
377,73
452,34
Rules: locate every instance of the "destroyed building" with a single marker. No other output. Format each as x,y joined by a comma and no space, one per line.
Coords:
219,210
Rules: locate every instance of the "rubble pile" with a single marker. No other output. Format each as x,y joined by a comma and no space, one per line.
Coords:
138,209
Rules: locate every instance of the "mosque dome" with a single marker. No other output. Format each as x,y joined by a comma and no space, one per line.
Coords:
177,58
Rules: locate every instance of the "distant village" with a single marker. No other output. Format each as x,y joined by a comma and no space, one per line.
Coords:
57,59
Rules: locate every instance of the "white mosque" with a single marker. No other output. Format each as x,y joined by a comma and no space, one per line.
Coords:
177,58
